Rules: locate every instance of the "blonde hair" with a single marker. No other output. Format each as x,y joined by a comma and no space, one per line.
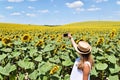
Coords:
83,58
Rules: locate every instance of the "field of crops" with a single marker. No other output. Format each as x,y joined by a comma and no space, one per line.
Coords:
42,53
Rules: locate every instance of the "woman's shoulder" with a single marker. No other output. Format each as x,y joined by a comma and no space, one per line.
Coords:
87,63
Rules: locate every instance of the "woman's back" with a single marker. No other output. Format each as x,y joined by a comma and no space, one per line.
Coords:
76,73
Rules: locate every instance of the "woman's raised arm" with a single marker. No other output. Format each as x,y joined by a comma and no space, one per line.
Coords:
72,40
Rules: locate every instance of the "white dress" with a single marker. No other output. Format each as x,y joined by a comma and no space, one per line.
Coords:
76,73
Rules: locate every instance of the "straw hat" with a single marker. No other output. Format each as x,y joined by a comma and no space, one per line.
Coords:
83,48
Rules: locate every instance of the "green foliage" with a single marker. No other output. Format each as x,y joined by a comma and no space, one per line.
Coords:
40,61
101,66
7,69
25,64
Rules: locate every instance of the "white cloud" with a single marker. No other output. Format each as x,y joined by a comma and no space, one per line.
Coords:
15,0
80,9
15,14
30,14
44,11
99,1
1,16
75,4
30,7
118,2
93,9
9,7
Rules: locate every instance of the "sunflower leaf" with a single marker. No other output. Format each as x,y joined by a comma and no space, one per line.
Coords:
2,56
48,47
112,59
67,62
39,58
25,64
33,75
114,77
101,66
15,54
6,50
7,69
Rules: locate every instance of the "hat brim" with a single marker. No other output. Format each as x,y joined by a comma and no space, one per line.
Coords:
80,52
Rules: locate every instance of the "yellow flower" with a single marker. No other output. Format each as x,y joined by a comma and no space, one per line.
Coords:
5,41
100,41
83,38
55,51
39,35
77,41
39,43
58,40
52,37
26,38
15,37
112,33
63,47
54,69
70,46
45,37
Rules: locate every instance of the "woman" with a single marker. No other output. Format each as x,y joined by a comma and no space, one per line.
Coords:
83,65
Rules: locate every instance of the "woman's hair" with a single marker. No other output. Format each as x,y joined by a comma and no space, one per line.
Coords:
83,58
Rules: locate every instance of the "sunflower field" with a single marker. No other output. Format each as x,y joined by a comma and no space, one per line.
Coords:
33,52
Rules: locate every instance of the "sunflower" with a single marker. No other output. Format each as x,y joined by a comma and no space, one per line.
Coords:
112,33
39,43
52,37
100,41
58,40
55,51
5,41
83,38
39,35
70,45
26,38
54,69
45,37
77,41
63,47
16,36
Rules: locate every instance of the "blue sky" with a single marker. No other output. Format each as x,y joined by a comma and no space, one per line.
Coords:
55,12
